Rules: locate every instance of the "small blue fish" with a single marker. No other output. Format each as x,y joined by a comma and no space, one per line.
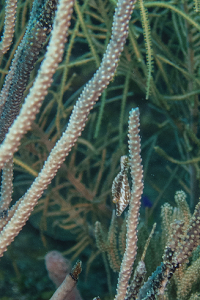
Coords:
146,202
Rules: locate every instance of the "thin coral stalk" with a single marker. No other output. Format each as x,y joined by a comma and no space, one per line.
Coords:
64,290
134,205
9,28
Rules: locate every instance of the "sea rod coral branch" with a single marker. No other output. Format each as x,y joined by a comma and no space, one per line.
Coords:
9,28
38,28
77,121
42,82
134,205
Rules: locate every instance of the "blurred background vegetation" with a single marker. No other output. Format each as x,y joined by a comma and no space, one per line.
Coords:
160,62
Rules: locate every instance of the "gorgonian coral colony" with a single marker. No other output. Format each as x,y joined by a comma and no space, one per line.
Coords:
51,20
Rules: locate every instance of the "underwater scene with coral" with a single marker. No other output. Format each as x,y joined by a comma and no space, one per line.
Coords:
100,149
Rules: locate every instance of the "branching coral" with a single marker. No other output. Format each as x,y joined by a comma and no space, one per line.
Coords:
79,215
77,120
